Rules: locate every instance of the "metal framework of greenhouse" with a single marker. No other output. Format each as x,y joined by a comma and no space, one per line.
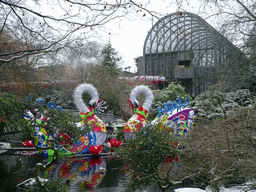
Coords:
183,47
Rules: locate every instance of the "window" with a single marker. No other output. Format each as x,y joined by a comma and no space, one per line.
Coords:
185,63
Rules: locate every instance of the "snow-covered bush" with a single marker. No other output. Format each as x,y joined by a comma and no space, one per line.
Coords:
214,104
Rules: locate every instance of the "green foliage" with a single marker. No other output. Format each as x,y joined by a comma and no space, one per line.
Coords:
56,122
170,93
62,122
58,185
110,56
11,113
145,154
110,59
11,109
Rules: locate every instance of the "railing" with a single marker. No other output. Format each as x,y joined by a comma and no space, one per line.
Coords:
183,72
189,72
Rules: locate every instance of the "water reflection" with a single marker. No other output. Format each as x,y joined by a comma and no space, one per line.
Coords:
15,169
79,173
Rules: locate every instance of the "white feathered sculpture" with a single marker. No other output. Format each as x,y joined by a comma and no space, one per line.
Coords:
87,114
141,112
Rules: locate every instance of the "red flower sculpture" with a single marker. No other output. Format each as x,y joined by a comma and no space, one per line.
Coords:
27,143
95,150
114,143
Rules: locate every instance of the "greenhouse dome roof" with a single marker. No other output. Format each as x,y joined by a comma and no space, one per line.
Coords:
183,31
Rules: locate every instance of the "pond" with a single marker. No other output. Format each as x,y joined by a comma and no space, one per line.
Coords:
81,173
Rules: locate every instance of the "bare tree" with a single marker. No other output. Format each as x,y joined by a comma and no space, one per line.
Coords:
82,59
56,24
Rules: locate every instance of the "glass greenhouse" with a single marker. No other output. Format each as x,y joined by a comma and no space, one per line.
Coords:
185,48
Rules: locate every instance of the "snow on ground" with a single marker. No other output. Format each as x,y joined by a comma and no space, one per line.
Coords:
233,189
189,190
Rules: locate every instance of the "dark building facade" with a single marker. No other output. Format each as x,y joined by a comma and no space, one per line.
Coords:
183,47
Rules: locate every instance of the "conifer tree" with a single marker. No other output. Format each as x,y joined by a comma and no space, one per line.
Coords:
110,59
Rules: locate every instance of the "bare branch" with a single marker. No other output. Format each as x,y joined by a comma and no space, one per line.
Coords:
246,9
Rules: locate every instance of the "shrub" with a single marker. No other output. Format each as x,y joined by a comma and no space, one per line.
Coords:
149,158
222,151
214,104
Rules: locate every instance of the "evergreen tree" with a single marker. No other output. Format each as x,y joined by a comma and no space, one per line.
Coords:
110,59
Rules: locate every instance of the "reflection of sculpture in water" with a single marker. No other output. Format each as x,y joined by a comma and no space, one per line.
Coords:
80,172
